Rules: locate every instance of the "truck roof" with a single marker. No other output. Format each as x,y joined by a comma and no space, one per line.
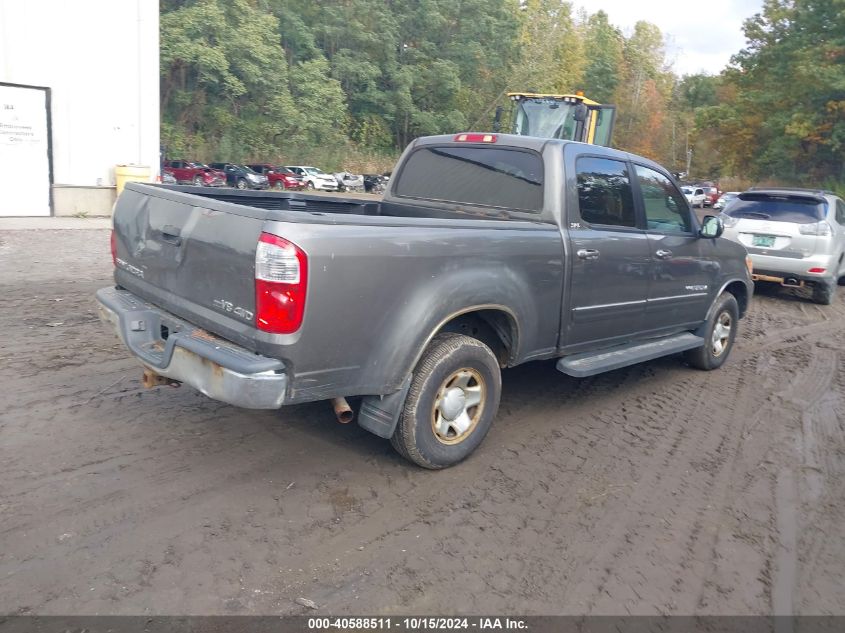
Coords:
533,143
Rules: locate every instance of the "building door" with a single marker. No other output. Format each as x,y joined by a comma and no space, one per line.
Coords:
25,150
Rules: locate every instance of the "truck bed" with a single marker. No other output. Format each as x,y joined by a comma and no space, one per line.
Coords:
394,271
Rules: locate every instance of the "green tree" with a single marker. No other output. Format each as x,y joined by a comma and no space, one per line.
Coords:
604,44
786,117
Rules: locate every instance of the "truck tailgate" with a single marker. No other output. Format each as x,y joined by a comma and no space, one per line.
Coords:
197,262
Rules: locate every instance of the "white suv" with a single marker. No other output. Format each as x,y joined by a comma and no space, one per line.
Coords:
695,196
314,177
795,237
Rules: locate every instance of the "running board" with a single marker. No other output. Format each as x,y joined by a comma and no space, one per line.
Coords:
592,363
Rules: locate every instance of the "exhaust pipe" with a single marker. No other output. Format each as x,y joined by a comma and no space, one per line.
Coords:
791,281
342,410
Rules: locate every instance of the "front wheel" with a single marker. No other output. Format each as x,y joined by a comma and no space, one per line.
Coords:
451,404
309,185
719,335
198,181
241,184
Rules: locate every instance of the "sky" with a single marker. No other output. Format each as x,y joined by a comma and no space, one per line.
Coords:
701,36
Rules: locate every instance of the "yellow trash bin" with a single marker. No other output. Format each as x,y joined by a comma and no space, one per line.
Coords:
130,173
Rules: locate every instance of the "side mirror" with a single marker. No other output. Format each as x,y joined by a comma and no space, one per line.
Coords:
712,226
581,112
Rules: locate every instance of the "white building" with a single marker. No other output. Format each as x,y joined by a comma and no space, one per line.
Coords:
79,95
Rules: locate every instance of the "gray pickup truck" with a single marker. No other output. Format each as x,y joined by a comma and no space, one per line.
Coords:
486,251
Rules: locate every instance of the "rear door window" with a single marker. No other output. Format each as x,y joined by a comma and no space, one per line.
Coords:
777,208
486,176
604,192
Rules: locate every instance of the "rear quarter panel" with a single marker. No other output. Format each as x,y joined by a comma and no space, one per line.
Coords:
377,294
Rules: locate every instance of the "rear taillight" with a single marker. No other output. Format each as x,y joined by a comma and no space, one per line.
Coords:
281,276
816,228
728,220
113,248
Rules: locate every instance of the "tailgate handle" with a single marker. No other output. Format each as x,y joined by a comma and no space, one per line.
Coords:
171,234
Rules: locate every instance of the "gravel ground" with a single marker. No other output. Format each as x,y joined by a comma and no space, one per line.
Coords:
655,489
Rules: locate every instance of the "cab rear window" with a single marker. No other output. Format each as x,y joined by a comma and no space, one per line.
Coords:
786,208
498,177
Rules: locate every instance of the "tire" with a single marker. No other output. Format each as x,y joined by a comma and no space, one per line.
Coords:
198,181
437,428
279,185
241,183
717,348
823,292
309,185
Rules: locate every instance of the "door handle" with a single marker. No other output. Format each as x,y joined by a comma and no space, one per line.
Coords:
588,253
663,254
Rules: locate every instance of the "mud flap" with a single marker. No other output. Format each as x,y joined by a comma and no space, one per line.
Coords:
379,414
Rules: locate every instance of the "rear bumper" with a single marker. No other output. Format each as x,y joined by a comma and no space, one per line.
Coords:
787,279
178,350
795,266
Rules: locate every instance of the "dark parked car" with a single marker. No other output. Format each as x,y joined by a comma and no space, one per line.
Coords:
193,173
487,251
241,176
375,183
279,177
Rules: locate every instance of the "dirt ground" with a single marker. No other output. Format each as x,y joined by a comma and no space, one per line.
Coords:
655,489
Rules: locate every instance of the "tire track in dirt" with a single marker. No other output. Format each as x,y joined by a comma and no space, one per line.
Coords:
652,489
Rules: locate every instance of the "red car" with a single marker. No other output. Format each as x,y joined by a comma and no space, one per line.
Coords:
195,173
279,177
711,193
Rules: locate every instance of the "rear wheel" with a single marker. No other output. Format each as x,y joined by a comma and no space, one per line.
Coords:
719,335
453,398
823,292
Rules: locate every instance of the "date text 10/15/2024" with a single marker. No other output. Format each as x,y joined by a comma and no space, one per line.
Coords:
416,624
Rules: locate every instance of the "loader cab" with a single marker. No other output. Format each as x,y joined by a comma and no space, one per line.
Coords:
568,117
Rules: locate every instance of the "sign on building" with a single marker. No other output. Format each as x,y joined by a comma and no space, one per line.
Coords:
24,150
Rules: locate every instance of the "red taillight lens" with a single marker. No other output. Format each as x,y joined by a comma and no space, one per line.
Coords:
816,270
476,138
113,248
281,276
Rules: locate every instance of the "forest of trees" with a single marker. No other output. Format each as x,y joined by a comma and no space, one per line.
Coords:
348,83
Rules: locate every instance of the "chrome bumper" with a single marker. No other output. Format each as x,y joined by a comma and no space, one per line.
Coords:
216,367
